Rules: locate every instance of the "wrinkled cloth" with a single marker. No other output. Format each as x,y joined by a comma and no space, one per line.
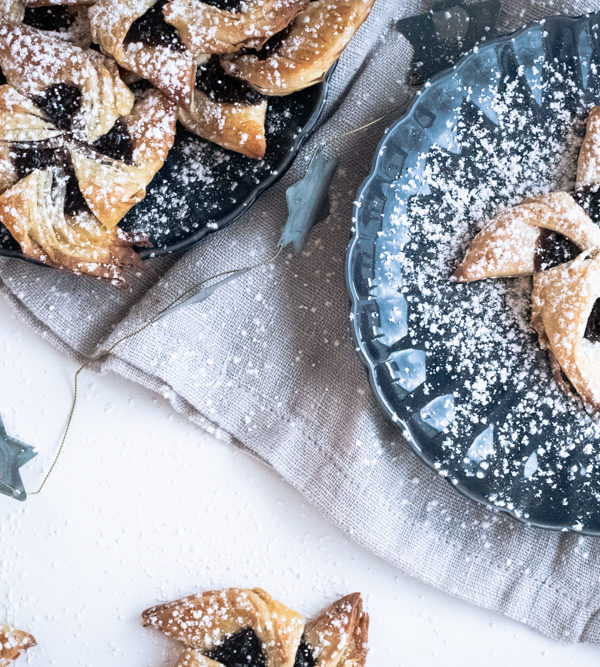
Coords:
268,363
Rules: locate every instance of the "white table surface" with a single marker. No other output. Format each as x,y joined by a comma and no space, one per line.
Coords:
145,508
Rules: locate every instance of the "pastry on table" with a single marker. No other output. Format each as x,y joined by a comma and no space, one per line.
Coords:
236,626
13,643
136,35
556,239
225,27
77,151
303,53
227,111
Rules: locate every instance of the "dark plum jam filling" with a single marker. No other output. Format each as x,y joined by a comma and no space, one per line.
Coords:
151,29
588,197
305,656
60,102
592,331
243,649
55,19
117,143
36,155
226,5
553,249
212,80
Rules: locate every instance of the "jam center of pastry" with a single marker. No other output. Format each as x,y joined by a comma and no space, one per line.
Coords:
553,249
588,197
305,656
271,46
592,331
56,19
212,80
60,102
117,143
29,157
74,200
151,29
226,5
240,650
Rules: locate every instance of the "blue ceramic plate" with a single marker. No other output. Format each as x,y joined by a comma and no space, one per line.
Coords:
203,188
457,367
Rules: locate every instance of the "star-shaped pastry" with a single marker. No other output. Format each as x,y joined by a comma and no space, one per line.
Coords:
447,31
13,455
12,644
236,626
556,239
77,151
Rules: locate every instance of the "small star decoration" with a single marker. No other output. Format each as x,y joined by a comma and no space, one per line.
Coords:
13,455
447,31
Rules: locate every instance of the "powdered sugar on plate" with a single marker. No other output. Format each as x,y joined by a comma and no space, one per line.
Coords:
459,366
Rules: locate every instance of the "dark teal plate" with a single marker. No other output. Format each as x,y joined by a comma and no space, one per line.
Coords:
457,367
203,188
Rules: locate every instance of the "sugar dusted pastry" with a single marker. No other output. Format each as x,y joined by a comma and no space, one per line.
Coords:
238,626
79,91
210,27
13,643
77,151
67,21
556,239
136,35
566,316
525,239
588,166
301,55
227,111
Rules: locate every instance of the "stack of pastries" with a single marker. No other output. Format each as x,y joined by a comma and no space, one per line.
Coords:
78,147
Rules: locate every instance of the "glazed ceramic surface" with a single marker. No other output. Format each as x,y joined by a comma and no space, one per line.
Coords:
458,367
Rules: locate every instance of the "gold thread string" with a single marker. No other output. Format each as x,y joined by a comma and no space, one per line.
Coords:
181,298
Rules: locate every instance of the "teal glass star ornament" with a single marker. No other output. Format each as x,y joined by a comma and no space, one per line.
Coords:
13,456
448,30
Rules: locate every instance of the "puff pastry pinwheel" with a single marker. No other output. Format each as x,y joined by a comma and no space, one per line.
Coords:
136,35
301,55
525,239
227,111
225,27
77,151
62,18
237,626
566,316
13,643
556,239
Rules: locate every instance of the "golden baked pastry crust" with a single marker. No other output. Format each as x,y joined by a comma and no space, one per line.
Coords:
205,623
507,246
33,62
305,52
171,71
563,300
13,643
202,622
112,187
206,29
588,166
339,636
237,127
64,184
